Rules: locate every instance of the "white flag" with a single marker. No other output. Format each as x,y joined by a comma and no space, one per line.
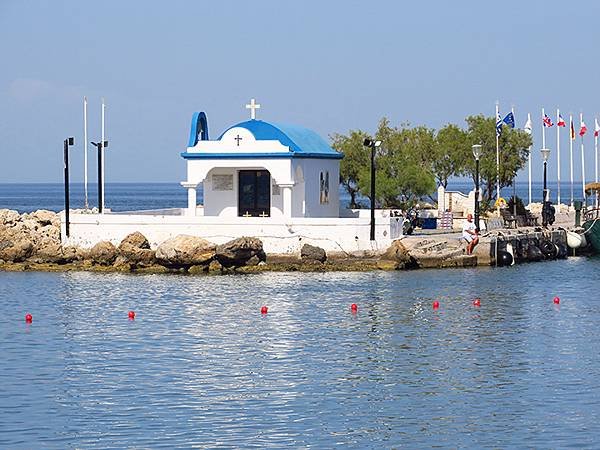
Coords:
528,125
596,128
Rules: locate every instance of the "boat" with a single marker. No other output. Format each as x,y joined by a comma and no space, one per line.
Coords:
591,222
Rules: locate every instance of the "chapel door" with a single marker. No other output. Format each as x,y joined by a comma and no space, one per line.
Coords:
254,193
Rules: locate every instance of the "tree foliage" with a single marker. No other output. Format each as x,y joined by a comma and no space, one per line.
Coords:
412,160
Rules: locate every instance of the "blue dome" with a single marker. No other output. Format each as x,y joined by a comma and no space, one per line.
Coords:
301,141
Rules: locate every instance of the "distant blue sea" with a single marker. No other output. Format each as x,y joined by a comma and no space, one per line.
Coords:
25,197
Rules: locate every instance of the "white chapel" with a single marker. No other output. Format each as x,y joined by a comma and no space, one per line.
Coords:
261,169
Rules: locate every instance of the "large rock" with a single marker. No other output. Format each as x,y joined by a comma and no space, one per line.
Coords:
185,251
103,253
44,217
313,253
135,249
9,217
240,251
399,254
16,249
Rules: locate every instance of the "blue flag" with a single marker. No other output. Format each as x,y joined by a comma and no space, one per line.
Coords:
498,123
509,120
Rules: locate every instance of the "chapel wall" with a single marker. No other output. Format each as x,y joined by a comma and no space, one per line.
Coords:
321,201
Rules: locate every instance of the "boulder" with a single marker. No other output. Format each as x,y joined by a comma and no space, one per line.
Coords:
185,251
399,254
239,252
9,217
135,239
16,249
313,253
44,217
103,253
135,249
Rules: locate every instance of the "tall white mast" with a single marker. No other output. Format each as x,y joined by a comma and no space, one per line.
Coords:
571,139
497,155
582,159
529,158
558,156
85,154
102,143
596,155
543,129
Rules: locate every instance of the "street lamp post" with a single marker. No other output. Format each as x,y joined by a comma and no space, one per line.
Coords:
100,146
476,153
372,145
545,154
68,142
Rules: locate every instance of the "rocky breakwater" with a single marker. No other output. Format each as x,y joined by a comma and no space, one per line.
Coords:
32,242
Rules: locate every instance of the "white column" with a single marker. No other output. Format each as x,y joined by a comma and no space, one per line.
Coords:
286,192
191,188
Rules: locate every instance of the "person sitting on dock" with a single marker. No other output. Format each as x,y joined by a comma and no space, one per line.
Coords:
469,234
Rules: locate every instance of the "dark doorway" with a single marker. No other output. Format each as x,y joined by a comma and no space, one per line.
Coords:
254,193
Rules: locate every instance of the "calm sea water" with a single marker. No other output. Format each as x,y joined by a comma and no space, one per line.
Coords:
200,367
138,196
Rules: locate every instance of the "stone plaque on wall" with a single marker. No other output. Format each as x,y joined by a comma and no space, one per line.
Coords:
222,182
275,190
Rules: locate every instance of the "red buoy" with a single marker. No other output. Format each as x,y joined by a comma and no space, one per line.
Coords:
264,310
477,302
436,304
354,307
556,300
28,318
131,315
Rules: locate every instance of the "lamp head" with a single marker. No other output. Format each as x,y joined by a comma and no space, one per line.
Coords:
476,150
367,142
377,143
545,154
71,141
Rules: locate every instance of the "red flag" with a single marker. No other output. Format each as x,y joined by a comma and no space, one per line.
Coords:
583,129
561,122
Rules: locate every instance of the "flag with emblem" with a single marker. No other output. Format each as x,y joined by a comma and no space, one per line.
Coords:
547,121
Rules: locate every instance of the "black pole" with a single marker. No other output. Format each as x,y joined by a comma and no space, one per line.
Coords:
372,191
100,193
477,194
66,173
544,215
514,199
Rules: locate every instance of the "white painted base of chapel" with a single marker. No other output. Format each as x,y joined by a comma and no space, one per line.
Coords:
345,235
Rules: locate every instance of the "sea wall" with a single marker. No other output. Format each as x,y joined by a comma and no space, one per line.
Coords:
33,242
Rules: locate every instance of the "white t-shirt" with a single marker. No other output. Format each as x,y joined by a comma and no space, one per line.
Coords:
468,226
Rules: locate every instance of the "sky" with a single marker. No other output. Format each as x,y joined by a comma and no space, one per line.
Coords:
331,66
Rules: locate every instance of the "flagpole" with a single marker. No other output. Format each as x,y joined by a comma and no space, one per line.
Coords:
85,153
102,146
497,157
582,162
558,157
571,139
529,157
543,129
596,155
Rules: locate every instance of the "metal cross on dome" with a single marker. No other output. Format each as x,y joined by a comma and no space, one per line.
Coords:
253,106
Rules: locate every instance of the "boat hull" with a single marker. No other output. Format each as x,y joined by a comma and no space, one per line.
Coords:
592,233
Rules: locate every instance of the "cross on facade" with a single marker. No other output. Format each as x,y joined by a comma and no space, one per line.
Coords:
238,139
253,106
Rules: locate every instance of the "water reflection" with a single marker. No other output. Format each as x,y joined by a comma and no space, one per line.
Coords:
201,367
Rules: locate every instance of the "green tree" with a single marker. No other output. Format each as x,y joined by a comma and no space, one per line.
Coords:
356,157
403,164
513,145
450,153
